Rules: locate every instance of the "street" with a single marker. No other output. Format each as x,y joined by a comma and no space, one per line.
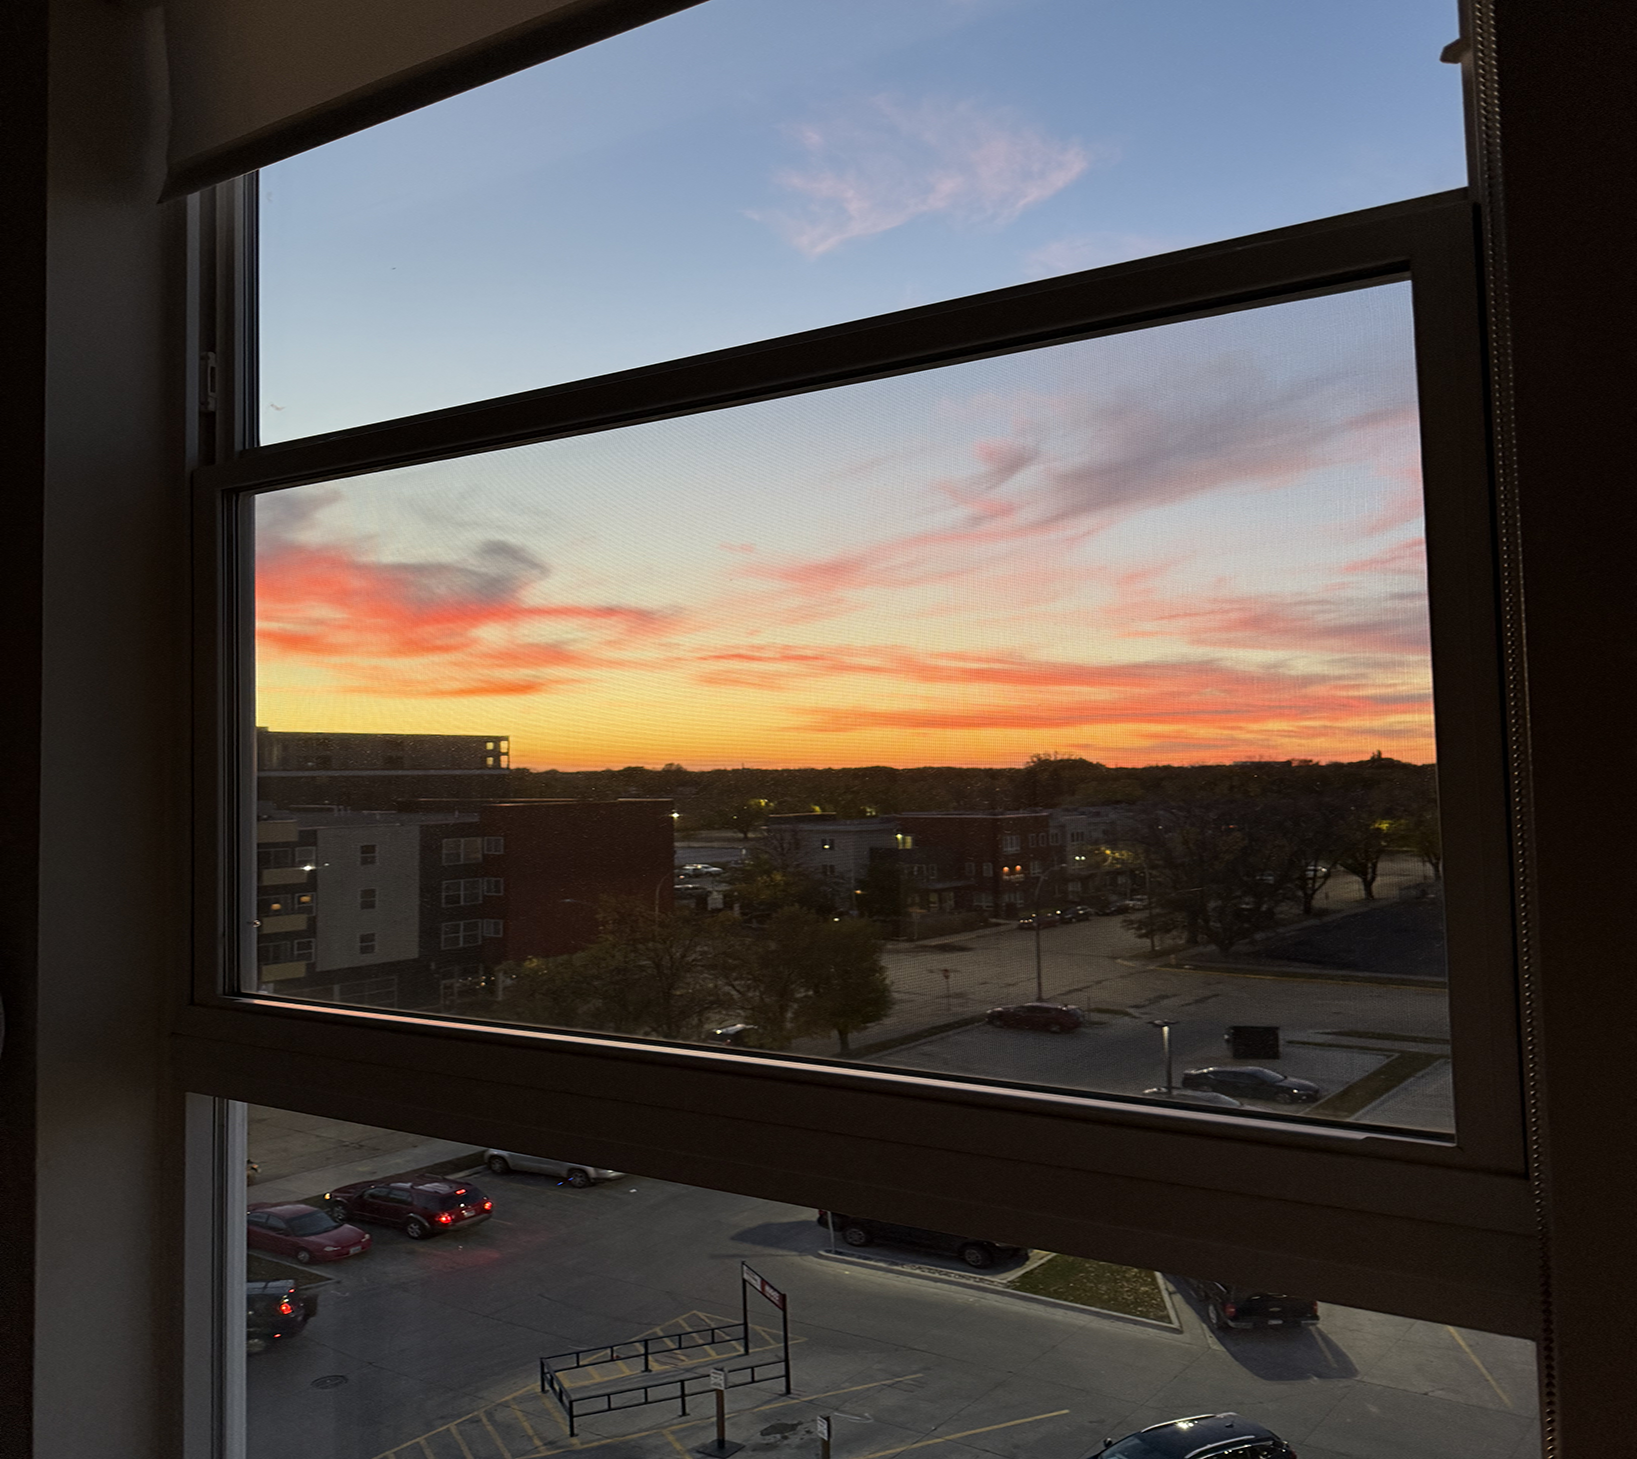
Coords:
431,1349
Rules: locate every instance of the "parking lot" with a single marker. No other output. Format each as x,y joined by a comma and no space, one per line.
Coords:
431,1349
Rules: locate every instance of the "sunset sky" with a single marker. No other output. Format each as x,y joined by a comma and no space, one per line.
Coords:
1191,543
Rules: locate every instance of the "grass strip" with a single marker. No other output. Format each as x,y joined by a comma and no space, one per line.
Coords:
1401,1038
1345,1103
1099,1284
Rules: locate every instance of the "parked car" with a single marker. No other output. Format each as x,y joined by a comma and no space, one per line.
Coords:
1204,1434
578,1176
304,1232
1052,1017
273,1311
1038,919
698,868
1198,1096
1117,908
1239,1307
1248,1081
423,1205
861,1231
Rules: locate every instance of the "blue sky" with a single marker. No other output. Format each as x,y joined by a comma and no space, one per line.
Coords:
749,168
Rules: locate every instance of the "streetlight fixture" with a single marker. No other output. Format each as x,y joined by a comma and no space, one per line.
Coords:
1164,1026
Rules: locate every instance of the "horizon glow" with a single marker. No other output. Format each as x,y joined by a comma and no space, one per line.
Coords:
1190,544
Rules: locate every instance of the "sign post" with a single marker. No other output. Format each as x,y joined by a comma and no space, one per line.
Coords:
719,1384
824,1435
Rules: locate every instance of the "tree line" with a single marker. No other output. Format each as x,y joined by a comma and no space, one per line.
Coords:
1223,869
792,972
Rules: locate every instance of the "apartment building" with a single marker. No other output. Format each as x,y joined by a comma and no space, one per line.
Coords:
374,771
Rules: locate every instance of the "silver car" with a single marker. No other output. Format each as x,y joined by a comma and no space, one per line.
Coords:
578,1176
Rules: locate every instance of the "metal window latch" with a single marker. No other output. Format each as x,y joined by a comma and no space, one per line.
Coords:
207,382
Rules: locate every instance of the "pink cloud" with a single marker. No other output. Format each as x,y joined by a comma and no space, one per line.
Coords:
890,161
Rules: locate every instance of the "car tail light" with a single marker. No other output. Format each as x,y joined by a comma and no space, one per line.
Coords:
1231,1308
444,1218
488,1205
285,1307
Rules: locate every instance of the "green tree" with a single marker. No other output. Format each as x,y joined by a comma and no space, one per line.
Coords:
840,968
775,874
669,976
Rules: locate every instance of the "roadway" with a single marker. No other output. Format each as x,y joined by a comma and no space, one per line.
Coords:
429,1351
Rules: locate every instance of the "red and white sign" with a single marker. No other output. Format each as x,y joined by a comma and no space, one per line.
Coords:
761,1284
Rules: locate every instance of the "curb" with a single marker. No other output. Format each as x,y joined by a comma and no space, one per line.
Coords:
1000,1289
1312,972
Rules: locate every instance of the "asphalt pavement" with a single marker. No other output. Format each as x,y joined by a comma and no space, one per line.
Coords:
431,1350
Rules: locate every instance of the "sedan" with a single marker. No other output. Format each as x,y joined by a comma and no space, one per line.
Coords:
578,1176
1052,1017
1212,1434
304,1232
1250,1082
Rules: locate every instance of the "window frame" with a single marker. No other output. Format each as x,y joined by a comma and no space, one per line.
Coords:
1450,1221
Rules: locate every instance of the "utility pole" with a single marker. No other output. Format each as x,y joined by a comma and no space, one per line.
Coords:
1164,1026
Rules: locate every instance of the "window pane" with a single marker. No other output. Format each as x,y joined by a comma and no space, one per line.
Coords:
743,170
427,1342
1163,592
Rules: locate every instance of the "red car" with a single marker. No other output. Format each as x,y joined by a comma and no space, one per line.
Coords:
304,1232
1053,1017
423,1205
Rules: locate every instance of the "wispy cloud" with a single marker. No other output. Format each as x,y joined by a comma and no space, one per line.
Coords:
888,161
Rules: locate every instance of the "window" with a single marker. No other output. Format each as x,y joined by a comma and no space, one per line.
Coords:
367,853
988,868
1055,838
827,869
301,948
465,892
494,927
1206,471
493,845
307,856
273,856
366,944
494,886
827,844
366,899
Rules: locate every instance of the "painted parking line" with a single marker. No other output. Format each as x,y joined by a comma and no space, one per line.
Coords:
965,1434
1489,1377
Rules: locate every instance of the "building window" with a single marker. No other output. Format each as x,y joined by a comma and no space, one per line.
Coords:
269,857
988,868
1055,838
827,844
366,899
494,927
1076,836
464,892
301,949
367,853
1011,843
827,869
905,843
457,850
273,952
460,934
494,845
366,943
494,886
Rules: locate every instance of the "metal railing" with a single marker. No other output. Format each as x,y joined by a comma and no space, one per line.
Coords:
664,1390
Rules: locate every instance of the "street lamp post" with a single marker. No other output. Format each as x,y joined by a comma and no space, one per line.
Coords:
1164,1026
1039,981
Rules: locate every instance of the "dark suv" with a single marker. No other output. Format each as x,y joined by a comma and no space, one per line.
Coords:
1239,1307
274,1310
861,1231
423,1205
1205,1434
